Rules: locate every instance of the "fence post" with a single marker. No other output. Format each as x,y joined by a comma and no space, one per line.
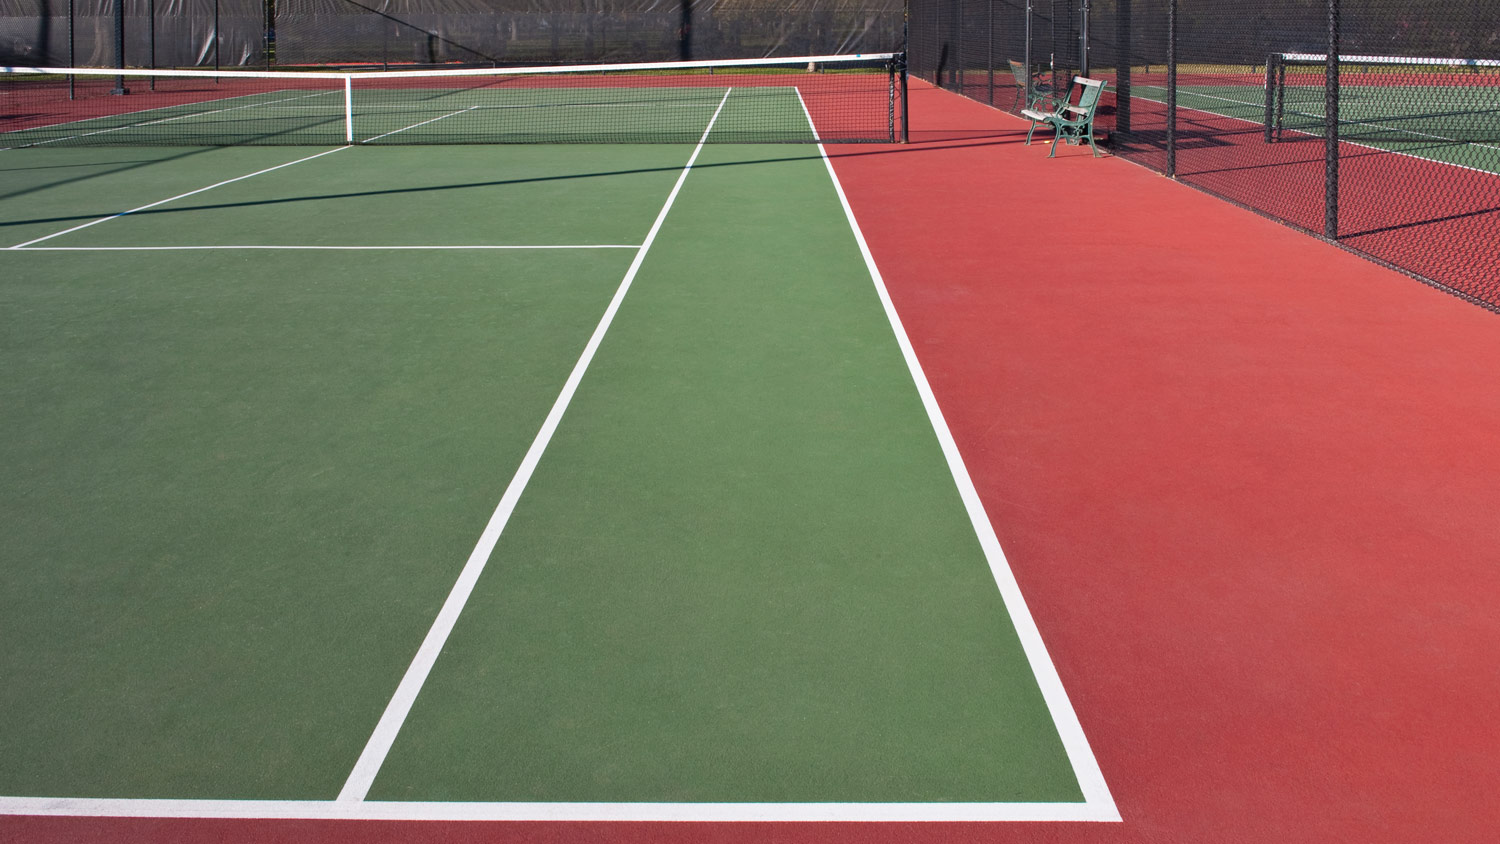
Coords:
1083,39
1052,47
1027,57
956,73
1331,125
151,38
120,88
1171,168
905,70
990,50
1122,66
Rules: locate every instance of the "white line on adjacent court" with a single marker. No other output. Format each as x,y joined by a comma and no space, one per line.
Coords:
423,123
189,116
371,248
1100,804
370,760
258,104
1342,141
175,198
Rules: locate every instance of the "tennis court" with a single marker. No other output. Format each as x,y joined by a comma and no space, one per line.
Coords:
700,491
533,482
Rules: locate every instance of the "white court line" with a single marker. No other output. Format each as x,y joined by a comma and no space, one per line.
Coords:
174,198
377,247
1100,804
423,123
1342,141
357,786
351,806
159,120
439,811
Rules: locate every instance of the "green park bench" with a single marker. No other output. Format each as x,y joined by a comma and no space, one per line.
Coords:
1071,122
1041,85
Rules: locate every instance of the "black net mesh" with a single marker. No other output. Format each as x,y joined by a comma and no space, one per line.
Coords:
832,99
1391,150
979,48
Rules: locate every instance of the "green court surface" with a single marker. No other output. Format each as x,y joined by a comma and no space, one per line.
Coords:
1438,123
313,112
255,434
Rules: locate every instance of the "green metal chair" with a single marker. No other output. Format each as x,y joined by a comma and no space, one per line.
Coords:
1041,86
1073,123
1044,107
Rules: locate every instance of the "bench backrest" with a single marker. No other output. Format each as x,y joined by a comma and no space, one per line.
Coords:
1018,70
1088,100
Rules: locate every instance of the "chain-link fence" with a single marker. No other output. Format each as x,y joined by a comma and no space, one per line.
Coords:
1391,148
408,33
151,33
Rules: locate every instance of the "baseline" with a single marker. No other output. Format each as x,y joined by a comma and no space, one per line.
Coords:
437,811
371,248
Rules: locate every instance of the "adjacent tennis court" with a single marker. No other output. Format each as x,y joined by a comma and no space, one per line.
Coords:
588,481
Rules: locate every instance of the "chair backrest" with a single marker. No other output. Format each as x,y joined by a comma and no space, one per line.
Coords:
1092,90
1018,70
1040,83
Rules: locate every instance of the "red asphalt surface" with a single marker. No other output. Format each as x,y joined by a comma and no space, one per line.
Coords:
1247,482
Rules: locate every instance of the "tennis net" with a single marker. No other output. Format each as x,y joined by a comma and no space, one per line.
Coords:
848,98
1386,100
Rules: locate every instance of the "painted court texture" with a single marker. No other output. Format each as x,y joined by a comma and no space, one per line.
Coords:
1245,481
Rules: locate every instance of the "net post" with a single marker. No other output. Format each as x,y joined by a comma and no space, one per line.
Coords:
1270,114
905,102
1171,168
1280,95
1331,126
348,109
